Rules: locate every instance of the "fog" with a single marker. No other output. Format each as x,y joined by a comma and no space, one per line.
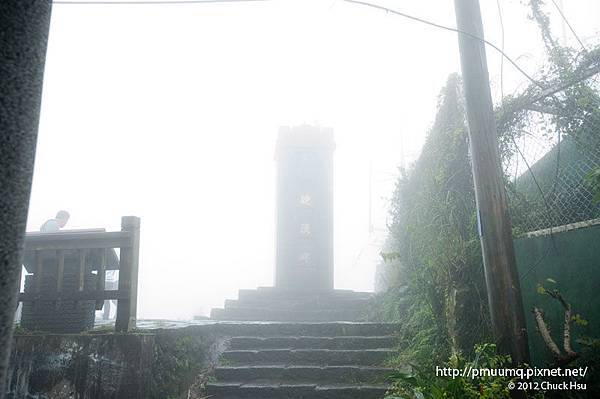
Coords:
171,113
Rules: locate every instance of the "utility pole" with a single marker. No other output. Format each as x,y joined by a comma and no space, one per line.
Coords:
24,26
495,230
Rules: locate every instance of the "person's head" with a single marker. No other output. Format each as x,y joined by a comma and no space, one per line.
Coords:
62,217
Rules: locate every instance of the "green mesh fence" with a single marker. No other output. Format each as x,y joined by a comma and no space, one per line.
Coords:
549,158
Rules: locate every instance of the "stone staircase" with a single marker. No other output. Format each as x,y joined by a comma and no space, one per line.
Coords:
271,304
334,360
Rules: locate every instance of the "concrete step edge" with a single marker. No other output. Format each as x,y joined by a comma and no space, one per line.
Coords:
304,367
285,350
241,384
315,337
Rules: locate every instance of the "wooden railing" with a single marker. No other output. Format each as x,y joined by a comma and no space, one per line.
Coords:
87,244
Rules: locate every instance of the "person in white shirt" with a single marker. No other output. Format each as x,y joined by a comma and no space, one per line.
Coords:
54,225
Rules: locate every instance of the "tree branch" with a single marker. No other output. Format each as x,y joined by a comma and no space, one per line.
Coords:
545,333
567,333
569,355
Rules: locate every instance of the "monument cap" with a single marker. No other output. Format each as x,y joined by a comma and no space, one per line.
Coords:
304,136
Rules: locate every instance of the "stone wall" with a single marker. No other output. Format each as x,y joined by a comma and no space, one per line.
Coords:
161,364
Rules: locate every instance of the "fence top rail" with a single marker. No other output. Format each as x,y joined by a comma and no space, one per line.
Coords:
77,239
563,228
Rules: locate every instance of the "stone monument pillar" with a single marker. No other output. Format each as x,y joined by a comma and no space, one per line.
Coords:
304,223
303,289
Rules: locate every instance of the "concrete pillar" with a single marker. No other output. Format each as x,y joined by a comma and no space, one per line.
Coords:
304,258
24,26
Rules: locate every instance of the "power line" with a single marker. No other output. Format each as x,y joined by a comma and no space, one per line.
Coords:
180,2
150,2
501,58
424,21
568,24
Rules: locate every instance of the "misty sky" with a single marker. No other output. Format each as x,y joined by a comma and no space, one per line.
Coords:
171,113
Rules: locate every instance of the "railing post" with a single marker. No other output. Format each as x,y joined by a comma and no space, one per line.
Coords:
37,277
101,282
39,272
81,271
60,274
128,276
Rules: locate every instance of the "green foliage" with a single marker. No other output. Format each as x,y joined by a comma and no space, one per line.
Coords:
438,292
593,181
434,245
573,111
580,321
571,114
589,358
422,383
180,360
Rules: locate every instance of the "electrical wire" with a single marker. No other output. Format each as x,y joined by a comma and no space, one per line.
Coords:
180,2
568,24
501,58
448,28
411,17
150,2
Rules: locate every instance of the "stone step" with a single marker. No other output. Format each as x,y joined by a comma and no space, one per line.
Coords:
321,357
303,374
272,293
251,314
291,342
294,391
299,303
326,329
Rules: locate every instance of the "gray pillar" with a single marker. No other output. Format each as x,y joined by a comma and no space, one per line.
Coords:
304,258
24,26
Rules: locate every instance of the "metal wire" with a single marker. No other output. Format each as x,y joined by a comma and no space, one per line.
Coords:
552,177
